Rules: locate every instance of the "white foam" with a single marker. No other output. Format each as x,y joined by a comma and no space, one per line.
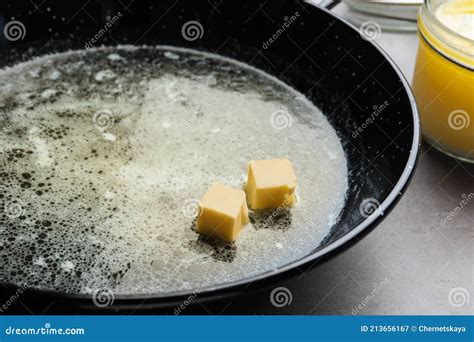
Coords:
104,75
114,57
44,159
458,16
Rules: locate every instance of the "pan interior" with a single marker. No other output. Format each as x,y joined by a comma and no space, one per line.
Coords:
105,152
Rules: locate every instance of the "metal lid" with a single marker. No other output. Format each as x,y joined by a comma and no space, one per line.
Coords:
395,9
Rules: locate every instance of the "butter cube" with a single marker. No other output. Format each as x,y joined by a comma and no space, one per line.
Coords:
223,212
271,184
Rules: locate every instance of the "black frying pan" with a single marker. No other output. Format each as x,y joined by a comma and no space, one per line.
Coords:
351,76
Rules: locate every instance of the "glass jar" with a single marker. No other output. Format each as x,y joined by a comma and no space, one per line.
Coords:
443,82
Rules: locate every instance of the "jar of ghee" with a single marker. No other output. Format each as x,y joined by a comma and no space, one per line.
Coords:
443,82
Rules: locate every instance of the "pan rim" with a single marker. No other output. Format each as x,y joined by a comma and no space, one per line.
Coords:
384,206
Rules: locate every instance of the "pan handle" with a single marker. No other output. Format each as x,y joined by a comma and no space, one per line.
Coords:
327,4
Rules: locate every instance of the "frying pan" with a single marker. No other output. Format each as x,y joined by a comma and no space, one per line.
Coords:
334,65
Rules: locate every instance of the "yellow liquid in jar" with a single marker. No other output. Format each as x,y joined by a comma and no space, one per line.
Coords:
444,81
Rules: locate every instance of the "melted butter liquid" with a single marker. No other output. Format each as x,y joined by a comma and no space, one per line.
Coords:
103,154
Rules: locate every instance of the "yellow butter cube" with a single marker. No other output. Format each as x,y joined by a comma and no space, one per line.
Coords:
271,184
223,212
